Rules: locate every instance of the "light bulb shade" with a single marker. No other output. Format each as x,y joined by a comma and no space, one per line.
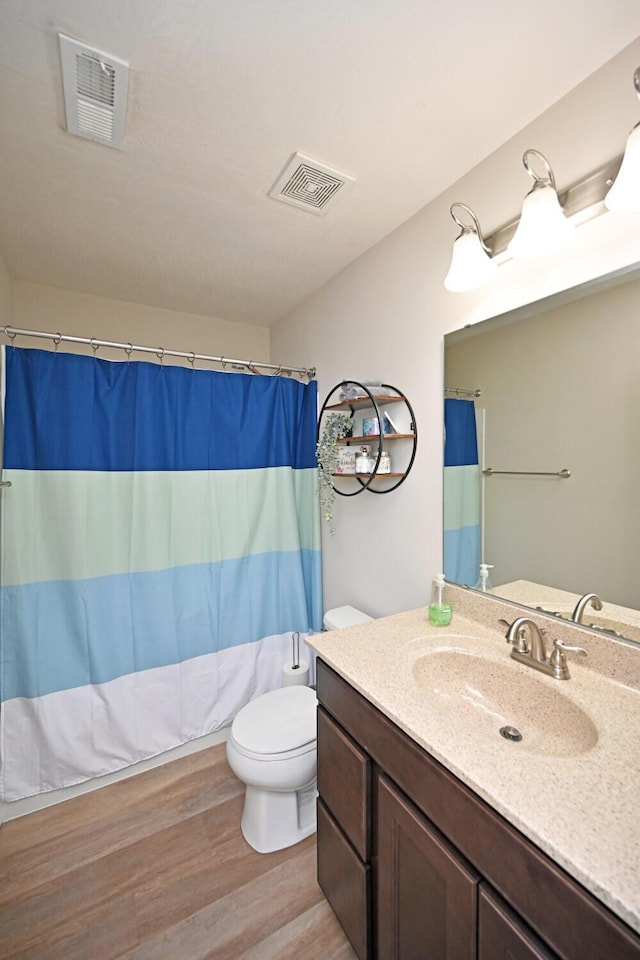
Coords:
471,266
543,227
624,195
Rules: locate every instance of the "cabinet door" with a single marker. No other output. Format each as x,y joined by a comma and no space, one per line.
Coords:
502,935
426,892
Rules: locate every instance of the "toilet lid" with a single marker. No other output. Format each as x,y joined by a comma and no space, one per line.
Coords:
276,722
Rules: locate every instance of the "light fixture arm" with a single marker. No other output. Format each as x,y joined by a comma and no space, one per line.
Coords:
476,228
549,180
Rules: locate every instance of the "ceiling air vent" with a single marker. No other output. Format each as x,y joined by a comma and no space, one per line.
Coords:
310,185
95,92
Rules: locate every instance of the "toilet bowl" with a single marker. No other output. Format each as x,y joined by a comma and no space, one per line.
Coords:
272,749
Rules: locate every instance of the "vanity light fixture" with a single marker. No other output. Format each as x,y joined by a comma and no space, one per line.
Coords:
624,195
547,219
543,227
471,263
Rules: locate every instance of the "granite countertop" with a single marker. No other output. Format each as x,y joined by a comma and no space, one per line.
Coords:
581,808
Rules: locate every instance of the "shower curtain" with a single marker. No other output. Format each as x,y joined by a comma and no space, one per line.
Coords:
461,493
160,544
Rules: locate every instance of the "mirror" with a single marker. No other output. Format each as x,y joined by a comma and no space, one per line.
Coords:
560,390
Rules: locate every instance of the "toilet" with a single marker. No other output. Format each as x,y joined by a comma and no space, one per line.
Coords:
272,749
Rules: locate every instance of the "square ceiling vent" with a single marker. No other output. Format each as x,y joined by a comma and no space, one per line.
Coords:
95,92
310,185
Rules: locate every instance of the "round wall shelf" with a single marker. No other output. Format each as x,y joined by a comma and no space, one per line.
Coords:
396,426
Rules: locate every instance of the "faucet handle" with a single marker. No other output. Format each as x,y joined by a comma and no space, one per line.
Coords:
520,640
560,644
558,658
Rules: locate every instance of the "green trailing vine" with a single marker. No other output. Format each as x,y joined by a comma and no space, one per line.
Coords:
335,426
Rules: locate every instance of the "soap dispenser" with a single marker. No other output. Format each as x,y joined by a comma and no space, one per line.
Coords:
483,582
440,612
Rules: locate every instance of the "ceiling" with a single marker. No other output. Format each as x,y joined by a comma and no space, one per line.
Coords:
404,95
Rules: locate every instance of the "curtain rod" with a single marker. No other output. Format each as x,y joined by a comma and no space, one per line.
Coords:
250,365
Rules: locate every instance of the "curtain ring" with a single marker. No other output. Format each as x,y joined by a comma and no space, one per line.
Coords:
192,360
94,346
224,363
8,332
160,355
128,350
56,341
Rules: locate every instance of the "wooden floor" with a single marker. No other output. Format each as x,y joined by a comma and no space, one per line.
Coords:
156,867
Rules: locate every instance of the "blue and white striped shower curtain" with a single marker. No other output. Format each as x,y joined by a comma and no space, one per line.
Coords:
461,493
160,544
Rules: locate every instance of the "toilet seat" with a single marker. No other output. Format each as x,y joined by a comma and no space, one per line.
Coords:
271,757
277,725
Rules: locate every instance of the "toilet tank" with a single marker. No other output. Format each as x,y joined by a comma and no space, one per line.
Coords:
344,617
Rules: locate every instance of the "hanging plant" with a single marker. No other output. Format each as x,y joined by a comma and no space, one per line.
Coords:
335,426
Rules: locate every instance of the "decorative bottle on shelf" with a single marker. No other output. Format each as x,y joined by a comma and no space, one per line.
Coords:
483,583
385,463
440,611
364,461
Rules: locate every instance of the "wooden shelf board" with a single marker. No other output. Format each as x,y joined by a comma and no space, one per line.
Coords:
363,402
363,476
369,438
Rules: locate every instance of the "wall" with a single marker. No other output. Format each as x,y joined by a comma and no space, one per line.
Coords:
385,317
41,307
574,404
6,294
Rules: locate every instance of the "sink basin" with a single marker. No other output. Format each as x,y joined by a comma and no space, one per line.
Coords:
484,694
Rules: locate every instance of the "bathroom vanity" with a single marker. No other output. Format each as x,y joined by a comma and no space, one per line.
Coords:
436,839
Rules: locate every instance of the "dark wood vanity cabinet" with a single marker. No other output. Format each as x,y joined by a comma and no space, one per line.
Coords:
417,867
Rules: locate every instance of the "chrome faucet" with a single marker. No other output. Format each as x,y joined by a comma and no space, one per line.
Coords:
528,647
591,598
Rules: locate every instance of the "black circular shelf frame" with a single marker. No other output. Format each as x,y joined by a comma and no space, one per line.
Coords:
367,484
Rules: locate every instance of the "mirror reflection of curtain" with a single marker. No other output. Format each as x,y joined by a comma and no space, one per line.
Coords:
461,493
161,543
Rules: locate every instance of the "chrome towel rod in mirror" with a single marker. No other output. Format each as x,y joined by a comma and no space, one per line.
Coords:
461,392
564,474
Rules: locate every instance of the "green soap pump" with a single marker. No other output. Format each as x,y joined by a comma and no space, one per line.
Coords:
440,612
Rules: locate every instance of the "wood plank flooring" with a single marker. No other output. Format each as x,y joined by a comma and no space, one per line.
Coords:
155,868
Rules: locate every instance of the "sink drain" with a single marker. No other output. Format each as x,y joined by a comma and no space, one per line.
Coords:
510,733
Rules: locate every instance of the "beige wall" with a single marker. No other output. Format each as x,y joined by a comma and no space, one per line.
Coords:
386,315
575,403
40,307
6,294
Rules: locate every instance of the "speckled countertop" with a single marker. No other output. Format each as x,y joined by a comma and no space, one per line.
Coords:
572,785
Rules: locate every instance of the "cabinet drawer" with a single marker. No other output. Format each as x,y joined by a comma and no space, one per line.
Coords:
501,932
344,880
344,778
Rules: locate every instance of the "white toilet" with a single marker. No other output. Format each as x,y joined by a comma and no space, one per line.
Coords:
272,748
